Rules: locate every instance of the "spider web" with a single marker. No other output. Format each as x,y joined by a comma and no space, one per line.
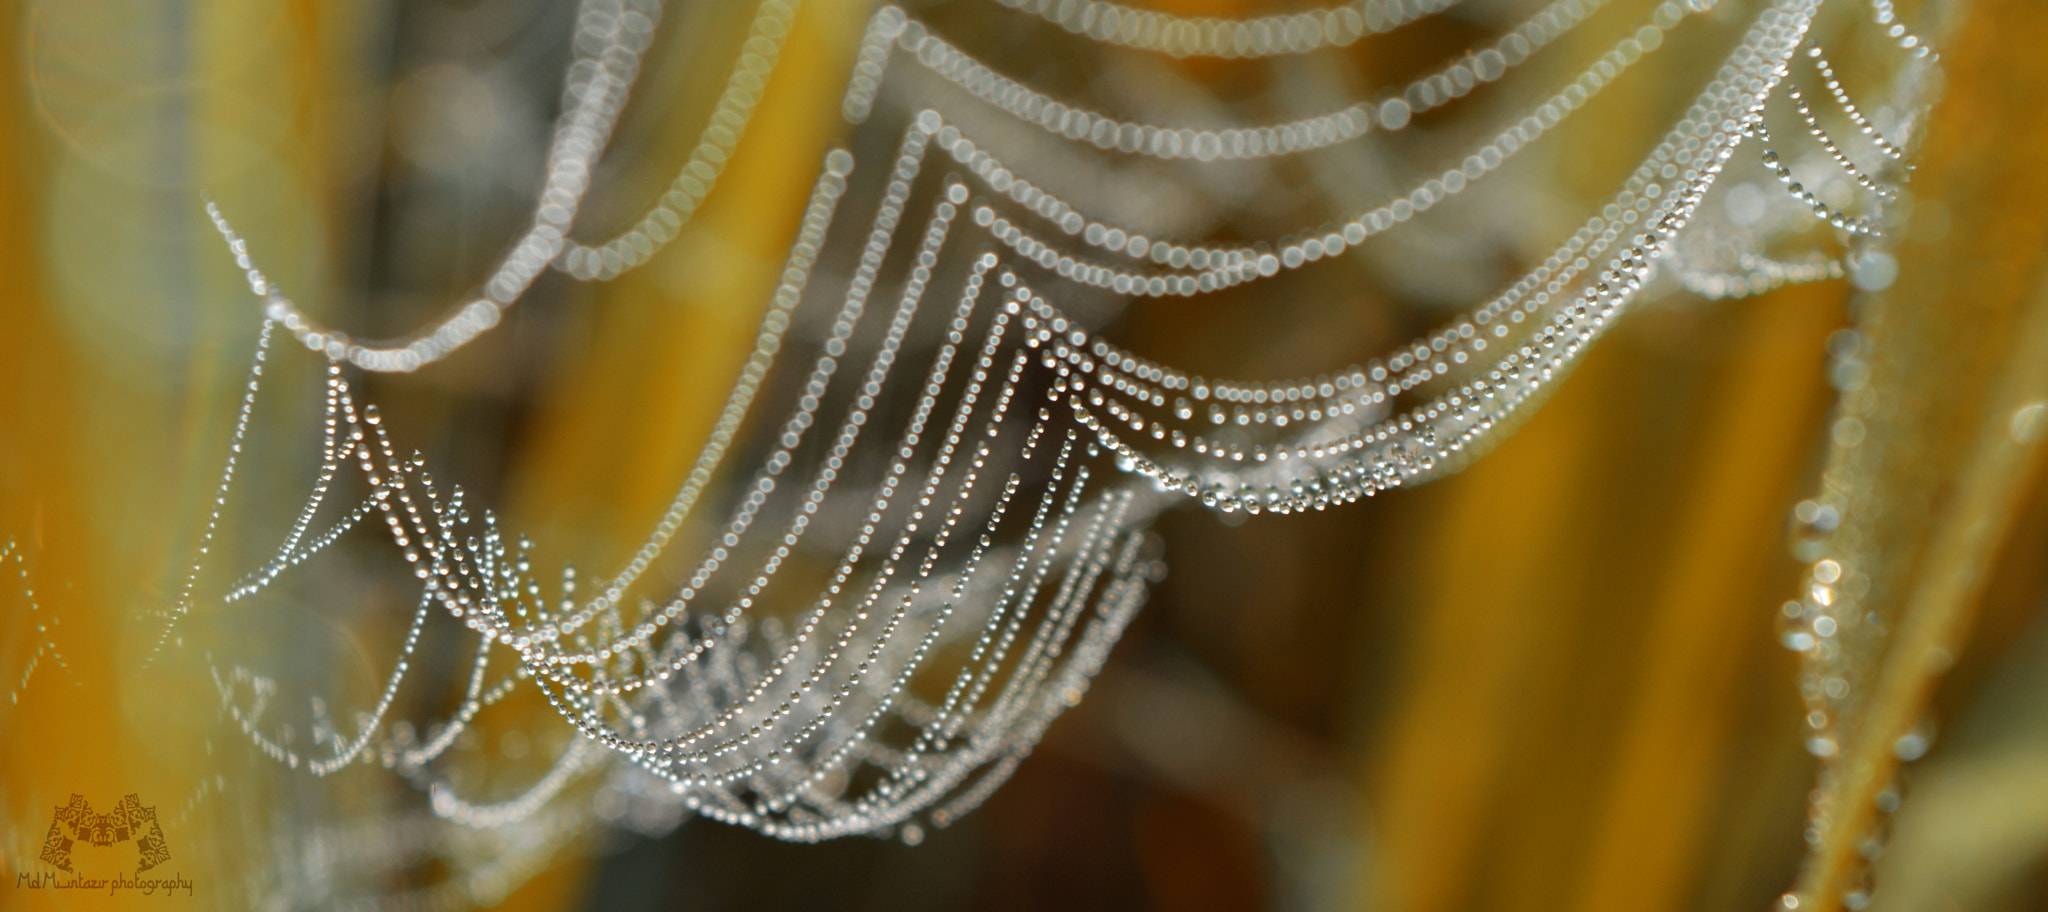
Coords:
922,519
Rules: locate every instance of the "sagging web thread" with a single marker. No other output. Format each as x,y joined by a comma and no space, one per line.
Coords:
1010,523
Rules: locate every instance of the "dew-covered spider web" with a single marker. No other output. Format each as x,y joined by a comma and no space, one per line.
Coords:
924,515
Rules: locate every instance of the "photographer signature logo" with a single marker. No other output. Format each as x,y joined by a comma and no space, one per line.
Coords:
76,823
129,821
